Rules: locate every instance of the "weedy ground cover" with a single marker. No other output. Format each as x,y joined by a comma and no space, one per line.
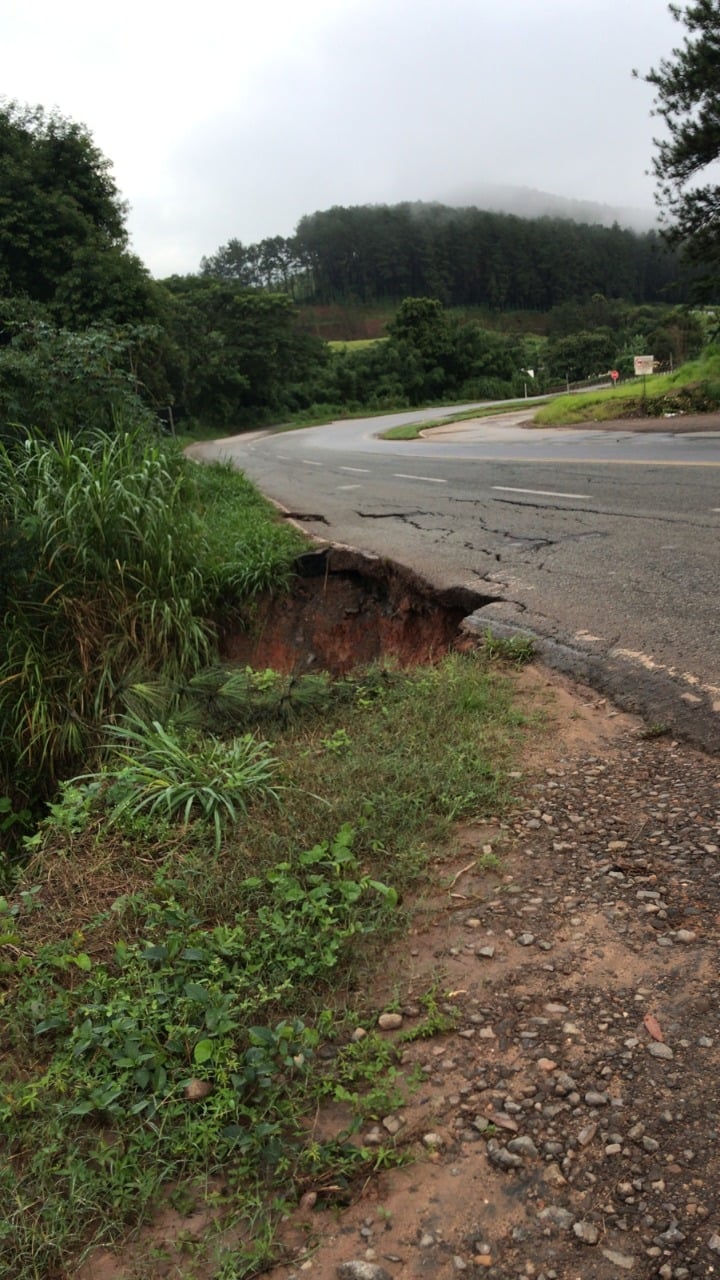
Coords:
166,989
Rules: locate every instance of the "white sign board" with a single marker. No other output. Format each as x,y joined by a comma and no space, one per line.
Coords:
644,364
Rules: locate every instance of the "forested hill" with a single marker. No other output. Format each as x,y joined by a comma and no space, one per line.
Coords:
465,257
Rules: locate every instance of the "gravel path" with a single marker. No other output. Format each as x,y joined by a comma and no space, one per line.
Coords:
567,1128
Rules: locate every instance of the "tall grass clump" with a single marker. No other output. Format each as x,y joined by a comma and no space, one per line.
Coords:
245,551
158,773
110,576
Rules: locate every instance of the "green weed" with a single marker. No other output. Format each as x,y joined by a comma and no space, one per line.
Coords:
153,771
517,649
656,729
437,1020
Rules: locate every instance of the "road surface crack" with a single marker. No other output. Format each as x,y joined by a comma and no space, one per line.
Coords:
595,511
310,517
394,515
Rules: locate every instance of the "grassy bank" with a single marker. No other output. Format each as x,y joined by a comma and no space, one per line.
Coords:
170,976
413,430
694,388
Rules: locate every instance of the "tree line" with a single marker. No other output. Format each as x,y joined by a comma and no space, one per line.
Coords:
463,257
87,336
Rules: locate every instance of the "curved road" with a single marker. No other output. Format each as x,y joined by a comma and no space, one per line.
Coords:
604,544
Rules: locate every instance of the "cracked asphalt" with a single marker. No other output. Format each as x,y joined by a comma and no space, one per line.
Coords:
602,544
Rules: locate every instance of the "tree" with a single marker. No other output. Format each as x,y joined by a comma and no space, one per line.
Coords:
56,197
56,380
424,324
582,355
687,99
63,241
240,354
233,261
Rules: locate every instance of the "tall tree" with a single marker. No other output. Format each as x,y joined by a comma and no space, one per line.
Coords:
63,241
239,351
687,99
56,196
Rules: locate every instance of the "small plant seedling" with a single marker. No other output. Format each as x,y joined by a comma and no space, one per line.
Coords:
518,649
435,1023
654,730
337,742
488,862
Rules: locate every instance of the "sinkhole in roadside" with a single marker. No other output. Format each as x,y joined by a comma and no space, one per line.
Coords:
346,609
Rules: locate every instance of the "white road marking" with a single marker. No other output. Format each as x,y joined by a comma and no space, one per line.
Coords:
541,493
363,471
715,508
284,457
400,475
349,486
311,464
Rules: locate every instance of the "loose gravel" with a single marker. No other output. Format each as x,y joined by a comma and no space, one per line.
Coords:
566,1129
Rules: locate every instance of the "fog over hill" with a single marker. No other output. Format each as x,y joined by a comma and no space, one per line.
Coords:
528,202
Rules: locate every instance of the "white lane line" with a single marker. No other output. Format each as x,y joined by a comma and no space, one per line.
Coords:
715,508
361,471
284,457
311,464
401,475
349,486
541,493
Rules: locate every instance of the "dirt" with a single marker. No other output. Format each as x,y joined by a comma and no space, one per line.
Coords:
347,609
600,930
570,944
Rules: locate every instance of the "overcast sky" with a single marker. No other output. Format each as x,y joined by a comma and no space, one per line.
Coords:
234,119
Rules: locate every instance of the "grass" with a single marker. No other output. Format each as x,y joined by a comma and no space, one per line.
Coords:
117,558
694,388
413,430
354,344
164,994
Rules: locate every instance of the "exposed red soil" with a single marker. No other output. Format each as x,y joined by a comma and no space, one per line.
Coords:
347,610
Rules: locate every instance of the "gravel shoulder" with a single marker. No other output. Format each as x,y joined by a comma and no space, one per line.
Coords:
566,1129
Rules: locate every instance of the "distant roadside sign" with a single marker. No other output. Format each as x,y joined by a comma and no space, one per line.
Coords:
614,375
643,364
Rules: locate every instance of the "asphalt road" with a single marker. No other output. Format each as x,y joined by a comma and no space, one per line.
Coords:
605,545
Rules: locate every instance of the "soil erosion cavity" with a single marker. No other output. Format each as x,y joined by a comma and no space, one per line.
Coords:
346,609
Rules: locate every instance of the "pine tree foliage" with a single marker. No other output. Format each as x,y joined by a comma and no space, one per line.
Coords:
687,99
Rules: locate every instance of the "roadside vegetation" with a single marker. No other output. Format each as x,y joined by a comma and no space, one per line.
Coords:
413,430
693,388
197,919
200,865
118,561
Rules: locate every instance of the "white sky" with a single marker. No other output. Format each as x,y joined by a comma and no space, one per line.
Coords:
234,119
